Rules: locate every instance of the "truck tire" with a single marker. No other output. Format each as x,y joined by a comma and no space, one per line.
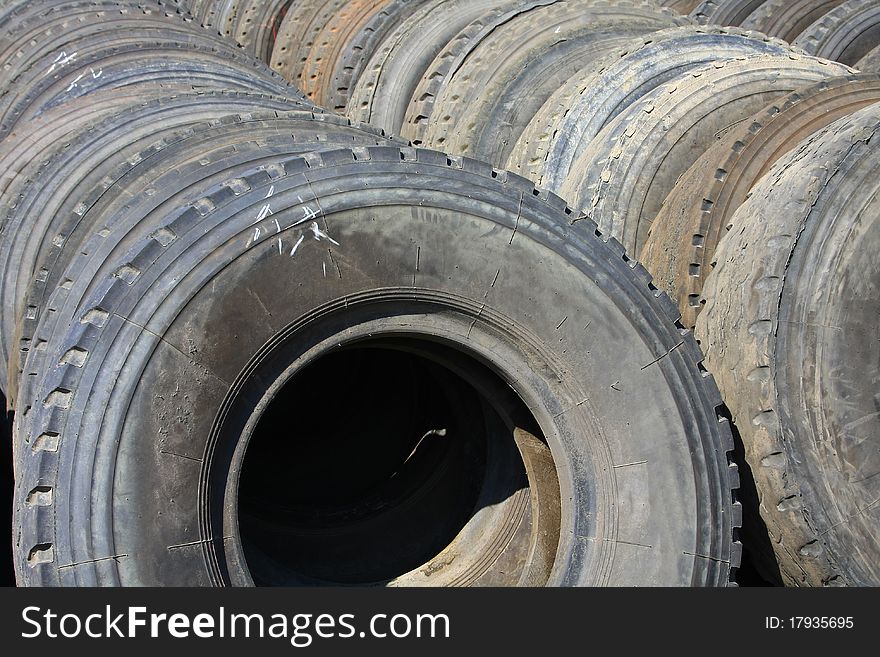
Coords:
680,249
623,176
789,331
51,222
845,34
786,19
386,87
455,273
586,103
299,28
726,13
258,25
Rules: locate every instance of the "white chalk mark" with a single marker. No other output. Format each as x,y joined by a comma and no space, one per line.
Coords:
277,226
271,191
320,234
62,60
74,84
257,233
308,215
95,76
300,199
324,265
280,247
264,212
297,245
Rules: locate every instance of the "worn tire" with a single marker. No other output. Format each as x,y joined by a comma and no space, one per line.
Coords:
46,204
790,332
726,13
296,36
635,431
680,249
845,34
386,87
622,178
489,99
572,117
786,19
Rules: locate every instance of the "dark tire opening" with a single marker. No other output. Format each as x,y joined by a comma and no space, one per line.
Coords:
382,464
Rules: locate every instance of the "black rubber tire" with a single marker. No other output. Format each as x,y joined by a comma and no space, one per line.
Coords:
38,246
622,178
389,80
790,332
680,249
258,25
492,95
430,87
120,50
726,13
870,63
683,7
575,114
786,19
296,36
845,34
635,429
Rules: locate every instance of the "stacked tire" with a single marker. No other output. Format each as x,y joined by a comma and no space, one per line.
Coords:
661,125
249,341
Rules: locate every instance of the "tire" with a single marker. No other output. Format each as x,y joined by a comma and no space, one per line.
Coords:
623,176
432,84
296,35
37,247
786,19
488,100
32,94
680,249
788,330
384,277
259,24
683,7
726,13
386,86
342,49
577,112
845,34
870,63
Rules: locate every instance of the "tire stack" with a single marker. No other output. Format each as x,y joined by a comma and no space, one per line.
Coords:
249,341
664,130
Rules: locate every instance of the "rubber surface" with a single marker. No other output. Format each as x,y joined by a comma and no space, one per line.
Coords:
202,288
727,13
489,98
386,87
624,175
786,19
680,250
790,332
845,34
575,114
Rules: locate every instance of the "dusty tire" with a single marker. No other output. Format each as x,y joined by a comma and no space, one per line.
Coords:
786,19
296,36
386,87
572,117
623,176
845,34
680,249
39,210
790,331
258,25
726,13
489,99
421,108
683,7
397,274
